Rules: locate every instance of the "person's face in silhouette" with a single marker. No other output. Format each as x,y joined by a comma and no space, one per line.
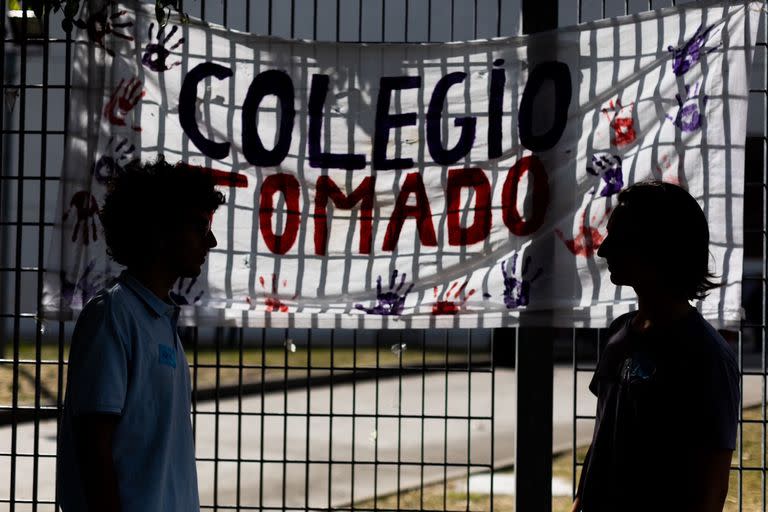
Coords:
629,251
190,243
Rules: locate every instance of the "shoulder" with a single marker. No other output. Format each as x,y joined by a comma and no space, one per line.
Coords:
703,341
111,309
618,332
617,336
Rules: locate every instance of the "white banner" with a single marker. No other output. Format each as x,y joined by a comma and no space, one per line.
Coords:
410,185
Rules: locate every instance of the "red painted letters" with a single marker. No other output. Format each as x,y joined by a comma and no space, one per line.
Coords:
327,189
288,185
481,225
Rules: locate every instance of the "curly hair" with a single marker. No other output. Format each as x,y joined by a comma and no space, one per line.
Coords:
150,199
670,218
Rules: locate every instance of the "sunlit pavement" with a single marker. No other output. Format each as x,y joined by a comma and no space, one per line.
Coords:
341,439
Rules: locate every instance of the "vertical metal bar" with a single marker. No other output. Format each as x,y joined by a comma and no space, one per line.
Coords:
239,415
445,421
399,412
498,33
354,411
764,312
17,264
493,413
338,26
216,410
453,18
39,326
314,29
307,424
61,340
261,416
534,357
429,20
376,428
5,162
269,19
383,20
287,348
574,383
423,413
469,384
330,420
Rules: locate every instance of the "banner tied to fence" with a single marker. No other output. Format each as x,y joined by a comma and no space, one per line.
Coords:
409,185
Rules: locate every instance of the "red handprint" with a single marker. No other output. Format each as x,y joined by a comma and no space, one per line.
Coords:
124,98
272,302
623,128
588,239
451,307
87,209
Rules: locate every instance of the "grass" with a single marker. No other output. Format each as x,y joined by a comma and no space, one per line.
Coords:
272,364
450,496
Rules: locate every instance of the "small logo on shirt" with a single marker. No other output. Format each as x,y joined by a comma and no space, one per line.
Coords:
167,355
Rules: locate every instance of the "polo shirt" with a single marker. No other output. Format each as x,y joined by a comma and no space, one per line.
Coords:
126,359
665,397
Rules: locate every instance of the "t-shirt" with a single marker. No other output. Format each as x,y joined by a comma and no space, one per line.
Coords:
664,397
126,359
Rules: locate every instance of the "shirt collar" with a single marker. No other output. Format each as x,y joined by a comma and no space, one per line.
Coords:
150,300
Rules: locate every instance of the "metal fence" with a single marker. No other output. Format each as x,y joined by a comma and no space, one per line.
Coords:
299,419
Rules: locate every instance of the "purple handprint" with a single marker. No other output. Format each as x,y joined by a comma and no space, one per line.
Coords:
112,162
689,116
87,210
88,284
156,54
686,56
517,291
389,302
101,23
183,295
608,167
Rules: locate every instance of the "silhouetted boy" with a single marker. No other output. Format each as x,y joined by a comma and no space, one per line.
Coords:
126,439
667,383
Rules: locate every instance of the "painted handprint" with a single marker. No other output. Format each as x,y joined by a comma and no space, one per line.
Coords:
588,238
689,113
684,57
123,100
448,306
608,167
271,300
184,295
112,162
87,285
87,210
101,23
156,54
517,290
389,302
622,123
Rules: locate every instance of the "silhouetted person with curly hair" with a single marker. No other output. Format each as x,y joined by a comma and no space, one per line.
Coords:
126,441
667,383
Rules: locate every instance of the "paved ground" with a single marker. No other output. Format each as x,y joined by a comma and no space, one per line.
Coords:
364,438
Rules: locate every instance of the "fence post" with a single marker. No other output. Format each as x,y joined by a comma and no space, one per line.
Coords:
534,356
